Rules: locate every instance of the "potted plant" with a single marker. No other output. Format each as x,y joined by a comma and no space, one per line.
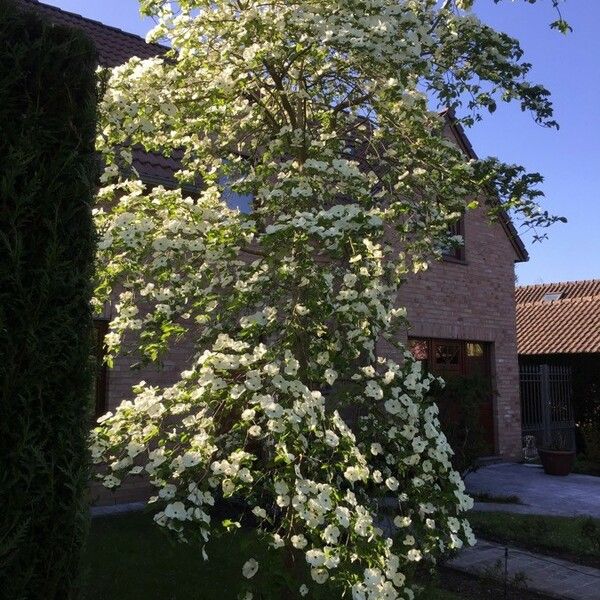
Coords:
558,454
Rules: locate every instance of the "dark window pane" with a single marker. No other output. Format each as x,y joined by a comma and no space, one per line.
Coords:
419,349
457,228
101,374
447,354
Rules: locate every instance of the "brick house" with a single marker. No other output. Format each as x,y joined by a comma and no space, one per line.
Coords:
462,310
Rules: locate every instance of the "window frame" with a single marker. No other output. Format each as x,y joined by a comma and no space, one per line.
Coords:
457,254
466,364
100,405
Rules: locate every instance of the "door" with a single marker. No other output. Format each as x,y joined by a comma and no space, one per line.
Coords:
456,360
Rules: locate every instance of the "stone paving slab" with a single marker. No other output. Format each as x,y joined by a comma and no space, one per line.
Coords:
573,495
547,575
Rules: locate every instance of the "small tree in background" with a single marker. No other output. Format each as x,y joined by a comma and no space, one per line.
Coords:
47,241
319,111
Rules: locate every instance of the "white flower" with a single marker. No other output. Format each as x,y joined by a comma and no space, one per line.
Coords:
315,557
259,512
414,555
228,487
392,406
320,575
343,515
299,541
376,448
301,310
402,521
453,524
254,430
303,590
281,487
176,510
248,414
356,473
392,483
323,358
350,279
191,459
331,439
250,568
331,534
373,390
330,376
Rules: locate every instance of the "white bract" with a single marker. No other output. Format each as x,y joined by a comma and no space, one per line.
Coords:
317,111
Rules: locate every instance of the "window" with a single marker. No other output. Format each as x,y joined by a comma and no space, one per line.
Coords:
452,357
552,296
243,202
419,349
447,356
101,373
455,360
474,349
456,253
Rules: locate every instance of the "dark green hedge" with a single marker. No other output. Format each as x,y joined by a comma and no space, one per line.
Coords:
47,178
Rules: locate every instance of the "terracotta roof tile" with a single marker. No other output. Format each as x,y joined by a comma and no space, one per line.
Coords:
114,46
568,324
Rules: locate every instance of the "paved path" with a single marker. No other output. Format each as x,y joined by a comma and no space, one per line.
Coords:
117,509
546,575
539,493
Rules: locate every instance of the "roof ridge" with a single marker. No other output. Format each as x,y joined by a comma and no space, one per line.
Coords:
556,283
559,301
95,22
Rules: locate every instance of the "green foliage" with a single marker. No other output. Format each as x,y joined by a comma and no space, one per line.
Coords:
459,401
47,241
591,437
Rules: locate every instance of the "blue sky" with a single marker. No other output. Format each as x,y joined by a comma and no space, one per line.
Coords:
569,159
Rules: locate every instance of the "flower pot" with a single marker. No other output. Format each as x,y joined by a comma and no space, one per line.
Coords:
557,462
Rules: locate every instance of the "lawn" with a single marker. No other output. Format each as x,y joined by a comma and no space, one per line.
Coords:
129,558
563,537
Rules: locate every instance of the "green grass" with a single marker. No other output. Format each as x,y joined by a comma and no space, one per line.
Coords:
129,558
557,536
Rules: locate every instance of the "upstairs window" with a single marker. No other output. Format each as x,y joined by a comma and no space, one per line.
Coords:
456,253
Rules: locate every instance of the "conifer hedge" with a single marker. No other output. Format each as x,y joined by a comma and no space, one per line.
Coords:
47,178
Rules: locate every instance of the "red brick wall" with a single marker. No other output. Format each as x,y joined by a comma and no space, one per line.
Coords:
475,301
470,301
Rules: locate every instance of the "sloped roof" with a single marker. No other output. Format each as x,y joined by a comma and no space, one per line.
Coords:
557,318
113,45
503,218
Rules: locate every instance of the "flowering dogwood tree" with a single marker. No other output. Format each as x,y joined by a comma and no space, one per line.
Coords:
319,110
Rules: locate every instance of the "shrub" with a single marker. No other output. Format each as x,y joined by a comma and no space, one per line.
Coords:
47,242
460,400
591,438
